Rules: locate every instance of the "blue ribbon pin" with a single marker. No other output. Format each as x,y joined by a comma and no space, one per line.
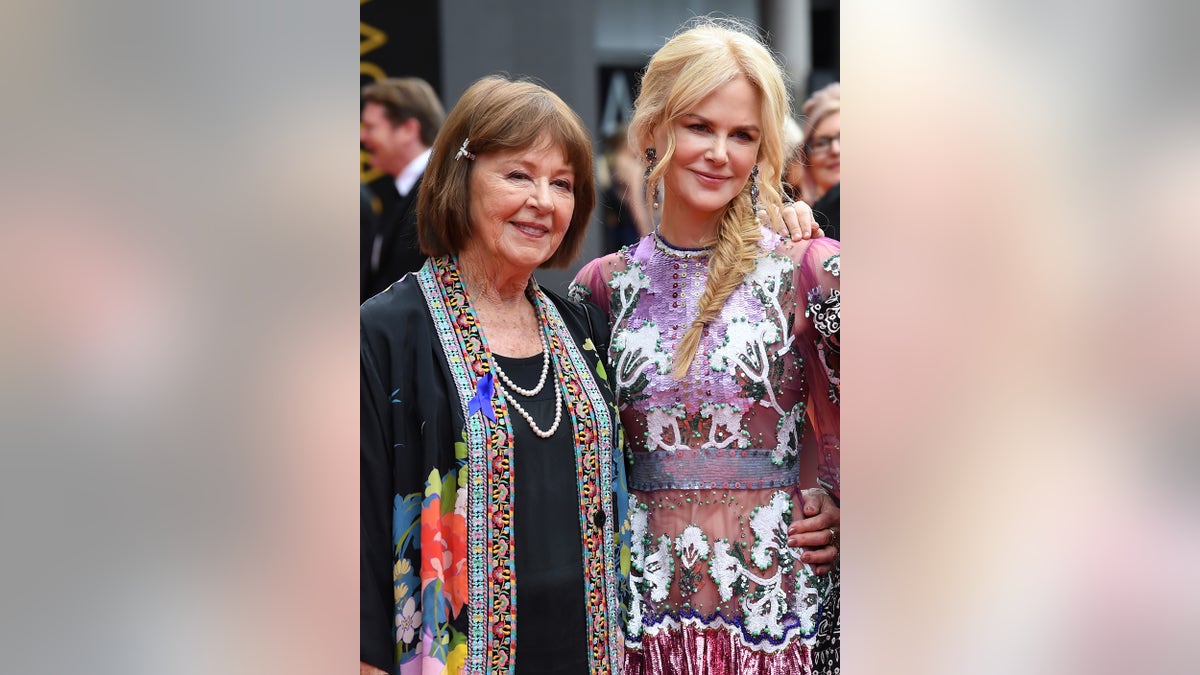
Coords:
482,401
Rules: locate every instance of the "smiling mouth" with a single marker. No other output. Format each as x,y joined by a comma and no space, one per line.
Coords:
709,178
532,229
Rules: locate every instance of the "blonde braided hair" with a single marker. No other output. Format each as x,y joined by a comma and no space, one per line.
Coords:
705,55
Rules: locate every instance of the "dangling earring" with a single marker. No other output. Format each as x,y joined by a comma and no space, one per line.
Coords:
754,193
651,160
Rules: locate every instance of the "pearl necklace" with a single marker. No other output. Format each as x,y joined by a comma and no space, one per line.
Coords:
541,382
529,392
529,418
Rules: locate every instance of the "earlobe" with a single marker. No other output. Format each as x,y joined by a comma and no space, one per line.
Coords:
656,140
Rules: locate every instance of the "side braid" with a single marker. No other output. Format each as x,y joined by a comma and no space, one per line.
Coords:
704,55
732,259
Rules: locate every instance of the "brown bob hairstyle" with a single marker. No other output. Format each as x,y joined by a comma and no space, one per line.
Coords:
498,114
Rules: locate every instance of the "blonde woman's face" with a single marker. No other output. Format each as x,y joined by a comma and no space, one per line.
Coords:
716,145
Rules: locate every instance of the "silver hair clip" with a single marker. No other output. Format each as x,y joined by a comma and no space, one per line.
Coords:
462,152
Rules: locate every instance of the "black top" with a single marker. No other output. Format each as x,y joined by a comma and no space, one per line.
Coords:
827,211
620,229
368,227
551,625
396,237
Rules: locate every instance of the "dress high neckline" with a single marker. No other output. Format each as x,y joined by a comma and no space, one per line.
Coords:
674,251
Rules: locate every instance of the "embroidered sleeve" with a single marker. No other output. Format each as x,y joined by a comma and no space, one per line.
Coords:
824,309
578,292
819,302
591,286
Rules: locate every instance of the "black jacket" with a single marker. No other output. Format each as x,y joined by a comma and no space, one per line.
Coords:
399,252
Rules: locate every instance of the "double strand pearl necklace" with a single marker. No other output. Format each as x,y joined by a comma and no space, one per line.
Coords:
541,382
530,392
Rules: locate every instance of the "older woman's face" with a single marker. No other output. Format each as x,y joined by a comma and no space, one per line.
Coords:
825,152
521,204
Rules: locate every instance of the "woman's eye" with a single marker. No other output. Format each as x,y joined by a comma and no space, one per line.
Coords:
518,175
564,184
745,136
698,127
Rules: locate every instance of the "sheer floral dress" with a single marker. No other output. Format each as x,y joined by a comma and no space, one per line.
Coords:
716,465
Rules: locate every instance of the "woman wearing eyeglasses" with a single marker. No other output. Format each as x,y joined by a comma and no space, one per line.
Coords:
822,141
821,157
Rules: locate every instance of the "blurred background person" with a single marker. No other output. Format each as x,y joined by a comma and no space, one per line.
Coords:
622,195
368,225
821,177
822,147
400,119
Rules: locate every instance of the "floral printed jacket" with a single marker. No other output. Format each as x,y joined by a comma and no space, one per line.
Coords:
437,582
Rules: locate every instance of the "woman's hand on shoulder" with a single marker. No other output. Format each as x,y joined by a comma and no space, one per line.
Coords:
794,220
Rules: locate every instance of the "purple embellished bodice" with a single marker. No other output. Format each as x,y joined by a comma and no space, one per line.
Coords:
654,302
716,455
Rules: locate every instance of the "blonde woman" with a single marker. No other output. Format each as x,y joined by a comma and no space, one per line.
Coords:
724,357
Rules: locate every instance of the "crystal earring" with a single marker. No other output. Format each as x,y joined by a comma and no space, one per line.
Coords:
651,160
754,193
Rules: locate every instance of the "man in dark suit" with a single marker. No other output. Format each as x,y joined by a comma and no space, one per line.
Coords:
368,225
400,119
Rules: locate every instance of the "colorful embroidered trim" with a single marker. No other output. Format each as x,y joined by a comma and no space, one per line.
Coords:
491,580
491,587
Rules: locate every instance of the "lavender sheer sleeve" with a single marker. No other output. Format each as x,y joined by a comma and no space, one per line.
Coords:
817,329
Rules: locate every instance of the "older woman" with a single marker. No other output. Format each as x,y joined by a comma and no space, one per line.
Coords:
725,358
491,479
821,155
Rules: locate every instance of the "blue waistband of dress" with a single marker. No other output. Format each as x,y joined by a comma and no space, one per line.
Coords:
709,469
